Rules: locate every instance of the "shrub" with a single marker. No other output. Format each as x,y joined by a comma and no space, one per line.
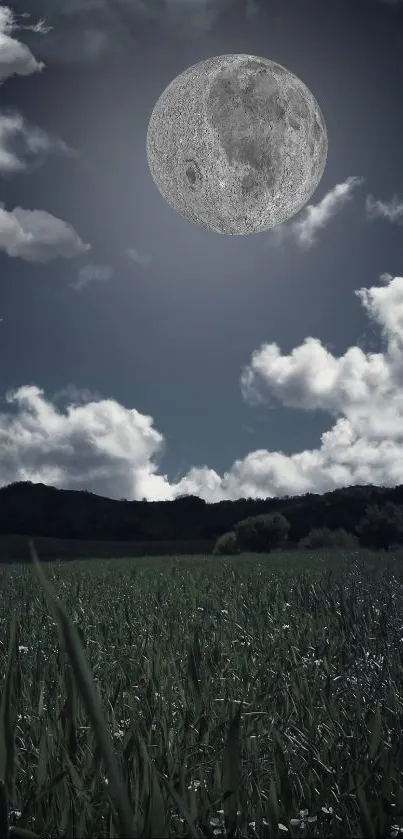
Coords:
323,537
381,526
262,533
226,544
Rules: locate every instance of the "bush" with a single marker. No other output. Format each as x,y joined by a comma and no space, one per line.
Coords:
262,533
381,526
323,537
226,544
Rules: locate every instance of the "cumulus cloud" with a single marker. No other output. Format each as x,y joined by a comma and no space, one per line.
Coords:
21,143
135,256
391,210
315,217
37,236
112,450
92,273
100,446
15,58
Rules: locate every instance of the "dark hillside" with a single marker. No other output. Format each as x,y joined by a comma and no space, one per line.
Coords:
34,510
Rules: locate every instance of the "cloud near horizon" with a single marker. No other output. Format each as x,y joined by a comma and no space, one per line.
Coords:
315,217
99,445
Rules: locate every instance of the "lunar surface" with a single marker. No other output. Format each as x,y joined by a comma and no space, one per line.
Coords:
237,144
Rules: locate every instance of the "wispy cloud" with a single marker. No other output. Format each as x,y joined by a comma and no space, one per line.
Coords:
30,143
92,273
37,236
391,210
135,256
315,217
86,30
40,27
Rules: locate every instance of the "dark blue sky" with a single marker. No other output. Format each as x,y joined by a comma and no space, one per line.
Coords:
165,359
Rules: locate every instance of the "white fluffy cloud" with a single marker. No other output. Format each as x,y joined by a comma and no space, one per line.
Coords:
391,210
32,235
15,58
315,217
37,236
101,446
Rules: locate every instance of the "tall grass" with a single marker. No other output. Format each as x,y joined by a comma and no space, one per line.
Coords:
168,697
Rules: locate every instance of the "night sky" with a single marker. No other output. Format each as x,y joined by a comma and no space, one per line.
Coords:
144,356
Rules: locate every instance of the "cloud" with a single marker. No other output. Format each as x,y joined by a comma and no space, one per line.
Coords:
32,235
32,143
15,58
392,210
315,217
100,446
92,273
135,256
86,30
106,448
37,236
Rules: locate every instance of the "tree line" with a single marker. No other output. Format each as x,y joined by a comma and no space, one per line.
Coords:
379,528
366,515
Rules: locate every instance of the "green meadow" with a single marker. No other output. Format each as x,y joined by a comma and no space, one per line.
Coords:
254,696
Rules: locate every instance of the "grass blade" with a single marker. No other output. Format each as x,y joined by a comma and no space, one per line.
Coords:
85,684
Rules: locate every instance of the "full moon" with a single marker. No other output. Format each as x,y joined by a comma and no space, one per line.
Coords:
237,144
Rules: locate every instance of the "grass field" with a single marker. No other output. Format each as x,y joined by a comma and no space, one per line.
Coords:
262,696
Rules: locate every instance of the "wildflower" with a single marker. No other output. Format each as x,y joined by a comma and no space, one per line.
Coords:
195,785
304,820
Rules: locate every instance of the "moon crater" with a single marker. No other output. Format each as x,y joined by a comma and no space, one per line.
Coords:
193,174
237,144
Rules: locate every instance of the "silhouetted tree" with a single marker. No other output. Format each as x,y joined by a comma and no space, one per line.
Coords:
381,526
323,537
261,534
226,545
